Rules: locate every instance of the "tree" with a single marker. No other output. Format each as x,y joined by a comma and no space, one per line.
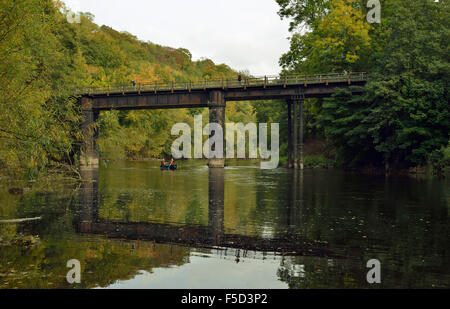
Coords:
39,62
336,42
410,86
403,115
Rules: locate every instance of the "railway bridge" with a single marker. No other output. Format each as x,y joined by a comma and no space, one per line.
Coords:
215,95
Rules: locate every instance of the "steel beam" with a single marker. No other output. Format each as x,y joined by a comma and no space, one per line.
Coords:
278,92
151,100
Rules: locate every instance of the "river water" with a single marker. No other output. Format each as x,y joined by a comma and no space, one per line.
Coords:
131,225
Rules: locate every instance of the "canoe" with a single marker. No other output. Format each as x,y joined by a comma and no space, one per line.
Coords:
169,167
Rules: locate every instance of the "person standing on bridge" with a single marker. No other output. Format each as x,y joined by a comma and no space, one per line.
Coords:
240,79
133,82
172,162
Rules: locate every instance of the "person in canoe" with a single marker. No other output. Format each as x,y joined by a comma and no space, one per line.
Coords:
172,165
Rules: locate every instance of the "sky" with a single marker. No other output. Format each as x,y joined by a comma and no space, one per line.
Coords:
244,34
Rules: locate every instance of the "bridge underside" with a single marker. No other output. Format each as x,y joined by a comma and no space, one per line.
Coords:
215,99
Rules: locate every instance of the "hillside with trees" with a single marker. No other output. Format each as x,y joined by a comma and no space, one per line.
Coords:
44,58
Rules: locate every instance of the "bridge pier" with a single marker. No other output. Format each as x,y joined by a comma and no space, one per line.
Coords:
301,160
295,126
289,119
217,107
89,150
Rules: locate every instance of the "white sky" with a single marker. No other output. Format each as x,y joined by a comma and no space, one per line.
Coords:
244,34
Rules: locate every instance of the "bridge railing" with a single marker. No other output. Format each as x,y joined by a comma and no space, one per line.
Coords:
265,81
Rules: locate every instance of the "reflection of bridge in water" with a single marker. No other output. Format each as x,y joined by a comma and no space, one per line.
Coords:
211,236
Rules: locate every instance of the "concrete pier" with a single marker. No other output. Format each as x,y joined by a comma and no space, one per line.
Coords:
217,107
89,150
296,132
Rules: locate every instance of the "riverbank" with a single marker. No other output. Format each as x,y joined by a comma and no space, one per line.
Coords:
52,181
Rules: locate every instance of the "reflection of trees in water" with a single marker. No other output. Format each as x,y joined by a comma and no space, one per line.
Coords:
104,261
241,206
152,196
402,222
316,273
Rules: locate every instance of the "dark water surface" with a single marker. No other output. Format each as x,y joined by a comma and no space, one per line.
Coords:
135,226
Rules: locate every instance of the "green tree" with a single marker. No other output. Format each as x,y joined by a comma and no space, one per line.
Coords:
40,62
403,115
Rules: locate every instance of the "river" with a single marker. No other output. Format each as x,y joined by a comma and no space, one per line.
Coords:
131,225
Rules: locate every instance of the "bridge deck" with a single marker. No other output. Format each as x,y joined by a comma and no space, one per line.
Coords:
198,94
